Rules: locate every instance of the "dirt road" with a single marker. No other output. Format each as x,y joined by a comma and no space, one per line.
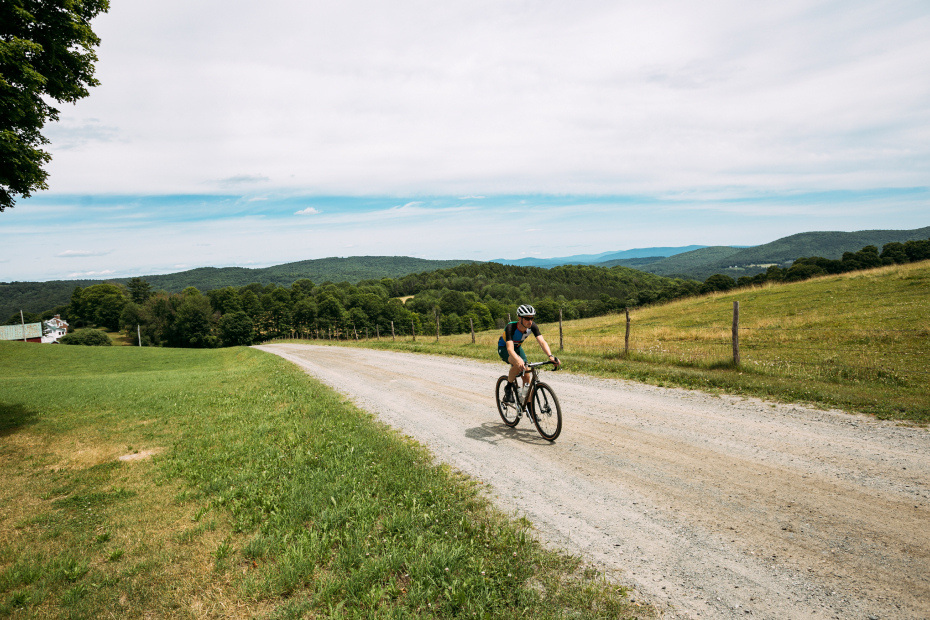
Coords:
711,507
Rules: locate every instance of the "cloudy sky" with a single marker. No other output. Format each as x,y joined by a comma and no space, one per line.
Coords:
252,134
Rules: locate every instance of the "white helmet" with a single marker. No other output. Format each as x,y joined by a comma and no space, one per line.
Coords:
526,310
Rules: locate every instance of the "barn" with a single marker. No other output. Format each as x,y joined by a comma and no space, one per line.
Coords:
30,332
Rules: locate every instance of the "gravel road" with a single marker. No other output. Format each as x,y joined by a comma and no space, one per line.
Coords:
708,506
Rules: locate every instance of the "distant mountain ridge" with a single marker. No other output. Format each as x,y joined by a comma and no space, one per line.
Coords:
735,262
598,259
691,262
42,296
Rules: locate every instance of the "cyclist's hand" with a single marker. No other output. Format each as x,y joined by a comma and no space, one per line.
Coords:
555,362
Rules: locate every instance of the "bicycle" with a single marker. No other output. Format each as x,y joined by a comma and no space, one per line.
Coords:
539,403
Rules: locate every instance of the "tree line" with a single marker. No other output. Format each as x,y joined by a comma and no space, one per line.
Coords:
477,296
455,300
893,253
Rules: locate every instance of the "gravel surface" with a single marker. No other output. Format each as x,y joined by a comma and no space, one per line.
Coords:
708,506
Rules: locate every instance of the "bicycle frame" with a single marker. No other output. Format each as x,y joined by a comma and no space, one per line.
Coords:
534,378
539,403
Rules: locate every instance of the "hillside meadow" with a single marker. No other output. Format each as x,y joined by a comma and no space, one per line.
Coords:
144,482
858,341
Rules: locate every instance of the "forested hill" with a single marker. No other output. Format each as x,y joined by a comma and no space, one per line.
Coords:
42,296
352,269
613,288
735,262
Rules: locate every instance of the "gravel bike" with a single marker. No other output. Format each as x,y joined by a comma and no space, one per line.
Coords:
537,400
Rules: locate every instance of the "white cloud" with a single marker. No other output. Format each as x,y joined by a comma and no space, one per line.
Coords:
690,113
241,179
82,253
92,274
471,98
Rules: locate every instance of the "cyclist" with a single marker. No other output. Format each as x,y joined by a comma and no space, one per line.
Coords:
510,348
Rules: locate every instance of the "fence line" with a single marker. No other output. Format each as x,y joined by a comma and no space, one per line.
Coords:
678,346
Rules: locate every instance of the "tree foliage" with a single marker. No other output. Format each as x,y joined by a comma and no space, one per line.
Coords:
88,337
480,295
46,53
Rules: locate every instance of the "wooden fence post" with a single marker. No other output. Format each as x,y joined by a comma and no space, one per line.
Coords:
626,340
413,330
436,314
392,331
561,339
471,322
736,333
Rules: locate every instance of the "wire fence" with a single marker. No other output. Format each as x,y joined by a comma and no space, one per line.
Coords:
888,355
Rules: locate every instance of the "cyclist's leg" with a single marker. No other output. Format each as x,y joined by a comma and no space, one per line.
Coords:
508,389
515,370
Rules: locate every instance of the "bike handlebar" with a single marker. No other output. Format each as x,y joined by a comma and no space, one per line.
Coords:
538,364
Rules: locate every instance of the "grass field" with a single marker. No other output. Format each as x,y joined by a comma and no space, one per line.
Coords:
858,341
142,482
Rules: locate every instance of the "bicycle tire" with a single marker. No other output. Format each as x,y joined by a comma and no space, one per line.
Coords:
509,412
547,414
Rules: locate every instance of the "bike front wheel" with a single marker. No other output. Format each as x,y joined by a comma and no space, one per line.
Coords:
509,412
547,414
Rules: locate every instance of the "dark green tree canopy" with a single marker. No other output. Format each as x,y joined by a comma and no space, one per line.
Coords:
46,52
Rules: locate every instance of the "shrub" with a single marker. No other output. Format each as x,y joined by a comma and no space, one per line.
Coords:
87,337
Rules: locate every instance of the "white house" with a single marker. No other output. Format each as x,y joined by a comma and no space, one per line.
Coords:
55,328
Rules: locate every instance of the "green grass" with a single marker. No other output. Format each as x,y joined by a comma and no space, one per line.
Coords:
858,341
264,495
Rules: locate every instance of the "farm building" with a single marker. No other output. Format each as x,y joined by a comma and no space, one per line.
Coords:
55,328
30,332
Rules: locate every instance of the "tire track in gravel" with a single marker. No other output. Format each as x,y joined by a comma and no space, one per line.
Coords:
711,507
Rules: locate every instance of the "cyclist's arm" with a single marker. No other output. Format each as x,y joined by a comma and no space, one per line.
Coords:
515,359
545,346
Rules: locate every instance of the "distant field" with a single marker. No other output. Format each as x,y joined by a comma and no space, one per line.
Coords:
154,483
858,341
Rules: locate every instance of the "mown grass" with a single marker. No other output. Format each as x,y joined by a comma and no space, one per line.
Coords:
858,341
247,490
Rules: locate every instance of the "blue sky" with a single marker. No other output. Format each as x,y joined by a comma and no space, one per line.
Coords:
235,133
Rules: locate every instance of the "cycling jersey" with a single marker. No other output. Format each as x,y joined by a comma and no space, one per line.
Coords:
512,333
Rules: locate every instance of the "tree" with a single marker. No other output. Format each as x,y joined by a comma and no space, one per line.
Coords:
225,300
158,319
46,53
88,337
130,317
27,317
100,304
330,312
139,290
236,329
718,282
304,314
194,322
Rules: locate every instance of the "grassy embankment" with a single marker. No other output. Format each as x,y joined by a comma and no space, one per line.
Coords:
858,341
267,496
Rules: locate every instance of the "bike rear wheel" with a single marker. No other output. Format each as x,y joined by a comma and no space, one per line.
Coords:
547,414
509,412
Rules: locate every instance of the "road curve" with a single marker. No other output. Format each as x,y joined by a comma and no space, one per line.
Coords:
709,506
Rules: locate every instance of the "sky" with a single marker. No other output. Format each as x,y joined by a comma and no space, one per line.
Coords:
232,133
